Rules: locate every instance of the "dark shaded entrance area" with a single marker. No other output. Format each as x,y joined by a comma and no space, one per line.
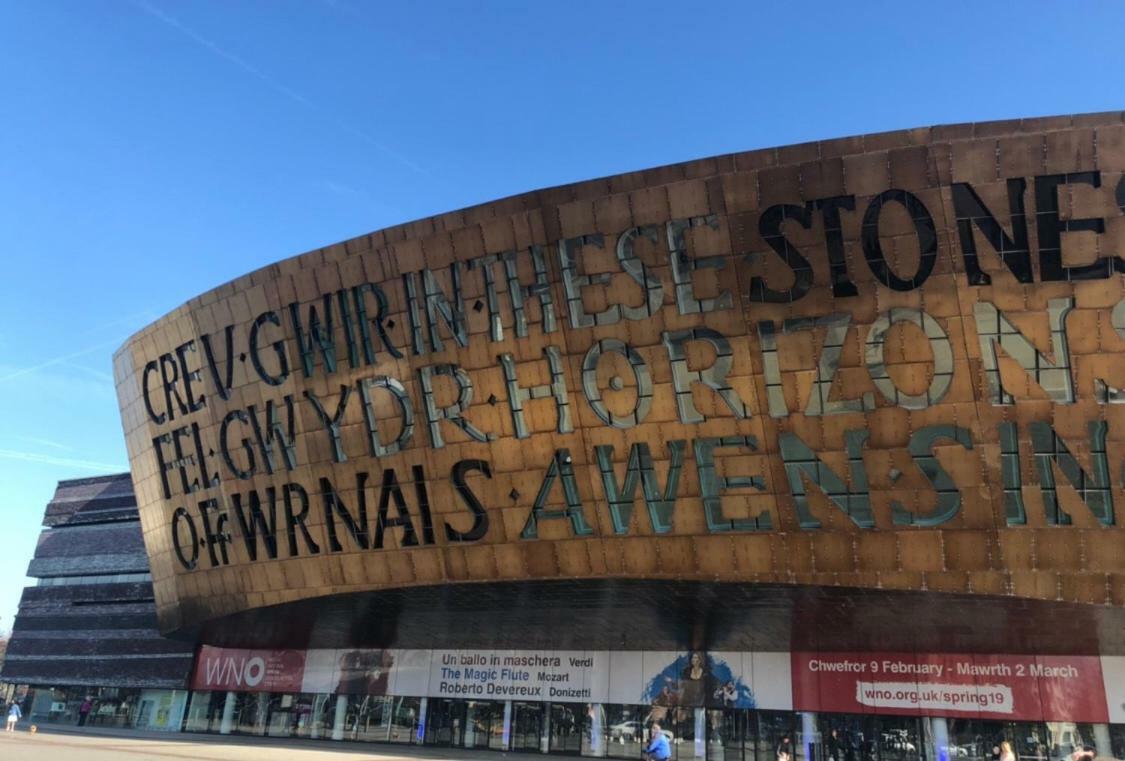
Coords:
654,615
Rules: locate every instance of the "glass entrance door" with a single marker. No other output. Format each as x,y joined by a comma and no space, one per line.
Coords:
445,723
482,720
733,735
527,723
568,723
280,721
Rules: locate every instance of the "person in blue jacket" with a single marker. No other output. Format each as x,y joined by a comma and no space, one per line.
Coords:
14,715
658,749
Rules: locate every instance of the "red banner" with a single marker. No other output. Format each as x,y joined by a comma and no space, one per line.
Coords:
219,668
1014,687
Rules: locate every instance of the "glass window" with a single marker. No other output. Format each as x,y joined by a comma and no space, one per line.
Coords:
290,715
625,730
848,737
778,736
403,714
301,715
978,740
595,725
367,718
250,711
677,723
1065,737
445,722
501,735
527,722
484,725
568,725
732,734
1117,740
321,717
55,706
205,712
899,738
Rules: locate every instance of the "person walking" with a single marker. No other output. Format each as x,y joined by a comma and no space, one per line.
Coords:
84,711
784,750
14,715
1006,752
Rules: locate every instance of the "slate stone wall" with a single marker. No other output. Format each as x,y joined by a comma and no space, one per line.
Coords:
100,633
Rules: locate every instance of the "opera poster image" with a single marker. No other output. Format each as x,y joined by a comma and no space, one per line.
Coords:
698,679
364,672
349,671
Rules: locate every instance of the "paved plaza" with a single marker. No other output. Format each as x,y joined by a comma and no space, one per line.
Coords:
95,745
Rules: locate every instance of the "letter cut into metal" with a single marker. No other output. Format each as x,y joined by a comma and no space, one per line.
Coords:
454,413
223,381
714,377
379,321
641,377
556,388
1053,375
252,521
406,412
491,296
461,469
939,345
921,447
181,517
923,228
278,346
770,229
636,269
573,283
319,336
1050,225
215,535
225,448
1103,392
801,463
621,496
1014,251
540,289
829,208
559,468
441,308
712,485
413,312
1011,475
1094,487
332,422
295,519
334,507
828,364
391,491
683,267
286,435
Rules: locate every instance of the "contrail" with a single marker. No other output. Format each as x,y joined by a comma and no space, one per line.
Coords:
67,462
58,360
45,443
99,374
274,84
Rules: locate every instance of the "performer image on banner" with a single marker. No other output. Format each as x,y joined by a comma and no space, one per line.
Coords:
696,680
364,672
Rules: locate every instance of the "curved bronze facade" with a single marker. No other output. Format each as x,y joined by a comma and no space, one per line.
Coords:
890,362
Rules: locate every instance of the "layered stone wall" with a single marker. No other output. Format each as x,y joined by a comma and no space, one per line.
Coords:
888,361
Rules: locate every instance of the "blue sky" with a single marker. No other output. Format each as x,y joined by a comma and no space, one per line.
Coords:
150,150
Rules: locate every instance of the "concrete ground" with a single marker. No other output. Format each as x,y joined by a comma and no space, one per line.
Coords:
55,744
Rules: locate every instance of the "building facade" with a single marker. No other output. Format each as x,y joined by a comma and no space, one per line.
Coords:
88,628
816,442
